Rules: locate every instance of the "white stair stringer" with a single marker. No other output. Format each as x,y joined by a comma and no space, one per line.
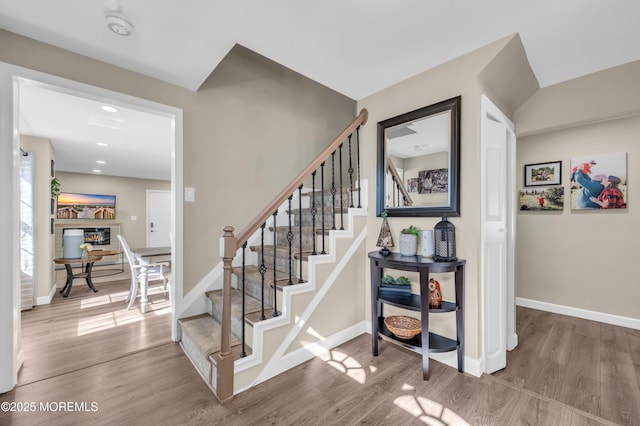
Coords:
193,302
272,338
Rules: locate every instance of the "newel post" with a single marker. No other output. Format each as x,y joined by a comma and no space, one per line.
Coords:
225,358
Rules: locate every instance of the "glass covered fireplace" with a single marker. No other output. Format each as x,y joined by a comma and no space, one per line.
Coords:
98,236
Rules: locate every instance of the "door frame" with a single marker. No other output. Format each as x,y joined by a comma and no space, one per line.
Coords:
489,111
11,76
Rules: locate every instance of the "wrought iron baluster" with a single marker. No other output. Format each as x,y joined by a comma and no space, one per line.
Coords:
244,350
341,191
358,166
333,190
314,211
393,190
350,171
263,270
322,205
300,232
290,241
275,286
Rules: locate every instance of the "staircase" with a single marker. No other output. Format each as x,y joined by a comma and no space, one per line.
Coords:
277,272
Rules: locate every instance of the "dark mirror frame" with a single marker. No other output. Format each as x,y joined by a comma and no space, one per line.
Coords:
453,208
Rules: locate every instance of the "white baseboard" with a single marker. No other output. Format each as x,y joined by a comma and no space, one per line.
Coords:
580,313
45,300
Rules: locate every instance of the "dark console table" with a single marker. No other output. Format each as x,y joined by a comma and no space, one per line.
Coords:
425,342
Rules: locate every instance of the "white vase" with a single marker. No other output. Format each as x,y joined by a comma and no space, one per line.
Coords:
427,244
408,244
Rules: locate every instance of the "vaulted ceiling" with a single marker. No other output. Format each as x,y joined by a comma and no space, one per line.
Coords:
355,47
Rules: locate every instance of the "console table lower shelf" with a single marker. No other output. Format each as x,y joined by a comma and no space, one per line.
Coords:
425,342
437,343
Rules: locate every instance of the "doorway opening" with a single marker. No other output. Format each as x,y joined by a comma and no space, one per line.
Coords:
12,79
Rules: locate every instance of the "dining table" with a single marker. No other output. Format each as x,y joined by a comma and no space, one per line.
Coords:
147,256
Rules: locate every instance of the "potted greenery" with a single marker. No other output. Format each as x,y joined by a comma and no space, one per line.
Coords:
409,241
55,187
390,286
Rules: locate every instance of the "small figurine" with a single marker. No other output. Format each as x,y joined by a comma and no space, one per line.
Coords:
435,295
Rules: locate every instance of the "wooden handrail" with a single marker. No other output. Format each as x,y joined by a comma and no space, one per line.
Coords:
231,243
244,235
396,175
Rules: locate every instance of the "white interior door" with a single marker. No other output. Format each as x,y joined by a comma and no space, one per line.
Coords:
497,237
158,218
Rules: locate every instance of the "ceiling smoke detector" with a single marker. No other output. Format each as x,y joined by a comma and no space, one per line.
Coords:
118,24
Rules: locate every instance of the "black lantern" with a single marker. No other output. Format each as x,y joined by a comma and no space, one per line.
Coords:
444,240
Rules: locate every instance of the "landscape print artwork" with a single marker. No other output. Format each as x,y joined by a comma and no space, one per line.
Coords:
599,182
86,206
542,199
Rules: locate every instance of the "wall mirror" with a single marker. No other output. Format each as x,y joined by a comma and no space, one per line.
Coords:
419,162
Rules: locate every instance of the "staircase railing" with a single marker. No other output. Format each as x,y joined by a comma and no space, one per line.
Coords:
398,187
231,243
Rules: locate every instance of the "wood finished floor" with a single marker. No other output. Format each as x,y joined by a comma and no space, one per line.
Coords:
89,328
561,374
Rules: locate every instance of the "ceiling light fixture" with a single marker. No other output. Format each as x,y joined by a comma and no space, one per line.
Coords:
118,23
102,144
108,108
97,171
101,162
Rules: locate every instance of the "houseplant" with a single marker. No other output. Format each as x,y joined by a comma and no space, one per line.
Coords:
390,286
409,241
55,187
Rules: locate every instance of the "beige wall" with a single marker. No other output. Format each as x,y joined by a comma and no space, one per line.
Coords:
241,130
457,77
604,95
43,154
131,199
581,259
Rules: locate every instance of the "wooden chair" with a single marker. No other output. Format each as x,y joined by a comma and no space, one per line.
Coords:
154,271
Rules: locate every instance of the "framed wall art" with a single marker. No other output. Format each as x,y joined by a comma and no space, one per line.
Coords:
599,182
542,199
543,174
436,180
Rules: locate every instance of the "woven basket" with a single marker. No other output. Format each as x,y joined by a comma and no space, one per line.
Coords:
402,326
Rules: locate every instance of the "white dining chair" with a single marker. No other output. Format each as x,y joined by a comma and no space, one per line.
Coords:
154,272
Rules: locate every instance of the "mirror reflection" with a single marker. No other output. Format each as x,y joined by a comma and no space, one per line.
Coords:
418,162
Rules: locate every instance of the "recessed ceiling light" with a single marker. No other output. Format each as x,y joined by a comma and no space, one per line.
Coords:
108,108
101,162
102,144
96,171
